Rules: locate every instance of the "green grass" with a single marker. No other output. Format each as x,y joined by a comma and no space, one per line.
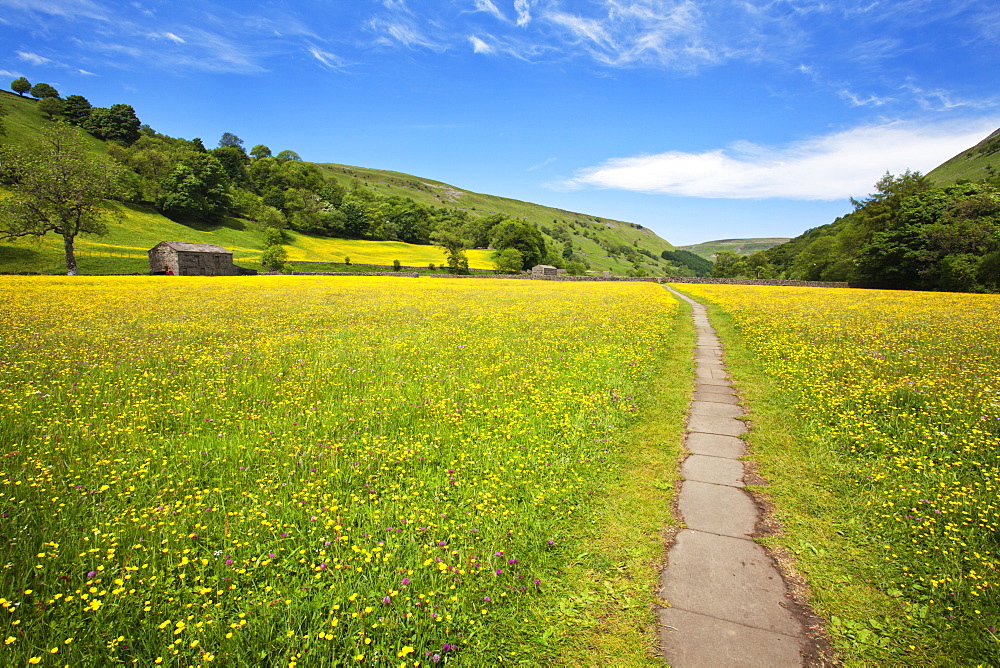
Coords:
303,470
971,165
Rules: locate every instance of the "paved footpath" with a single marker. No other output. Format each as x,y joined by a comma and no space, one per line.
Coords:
729,604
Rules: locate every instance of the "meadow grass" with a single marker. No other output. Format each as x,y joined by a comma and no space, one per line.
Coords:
876,421
329,471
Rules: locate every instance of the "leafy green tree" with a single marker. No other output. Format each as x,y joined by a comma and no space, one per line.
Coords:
356,218
729,265
116,123
508,260
56,186
76,109
260,151
20,86
288,155
576,268
305,210
195,190
404,220
938,239
229,140
234,161
273,236
454,247
522,235
274,257
50,106
397,265
42,90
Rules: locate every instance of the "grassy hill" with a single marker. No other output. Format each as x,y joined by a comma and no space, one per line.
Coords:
979,162
708,249
590,237
123,249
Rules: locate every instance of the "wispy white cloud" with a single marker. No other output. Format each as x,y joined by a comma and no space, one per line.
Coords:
328,59
60,8
479,46
859,101
396,30
523,9
33,58
173,38
543,163
490,8
628,33
940,99
830,167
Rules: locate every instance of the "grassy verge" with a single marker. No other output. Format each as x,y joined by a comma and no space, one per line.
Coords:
621,553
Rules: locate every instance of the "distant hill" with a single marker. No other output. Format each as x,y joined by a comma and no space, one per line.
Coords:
708,249
605,244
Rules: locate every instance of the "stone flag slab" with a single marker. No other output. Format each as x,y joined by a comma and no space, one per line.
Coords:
727,578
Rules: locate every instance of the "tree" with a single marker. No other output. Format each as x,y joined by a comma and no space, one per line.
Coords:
454,247
229,140
56,186
274,257
287,155
234,160
50,106
41,90
508,261
116,123
195,190
356,218
730,265
76,108
522,235
20,86
260,151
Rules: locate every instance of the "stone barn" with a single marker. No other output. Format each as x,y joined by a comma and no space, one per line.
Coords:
187,259
543,270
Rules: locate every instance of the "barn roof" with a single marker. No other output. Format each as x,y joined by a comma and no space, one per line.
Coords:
192,248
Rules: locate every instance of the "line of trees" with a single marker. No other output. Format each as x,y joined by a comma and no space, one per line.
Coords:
908,234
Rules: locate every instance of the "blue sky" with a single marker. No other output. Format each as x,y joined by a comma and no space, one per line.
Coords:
699,119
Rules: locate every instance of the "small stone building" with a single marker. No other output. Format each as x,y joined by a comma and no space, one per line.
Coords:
187,259
544,270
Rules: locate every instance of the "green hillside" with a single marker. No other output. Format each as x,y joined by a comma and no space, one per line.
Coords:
708,249
974,164
591,236
603,244
939,231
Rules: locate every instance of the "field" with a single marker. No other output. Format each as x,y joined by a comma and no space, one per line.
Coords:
877,421
314,471
123,249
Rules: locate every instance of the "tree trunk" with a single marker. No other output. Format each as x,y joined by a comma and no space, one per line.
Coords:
70,255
